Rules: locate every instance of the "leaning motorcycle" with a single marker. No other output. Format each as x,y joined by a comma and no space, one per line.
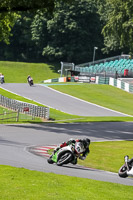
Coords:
126,169
30,82
2,80
67,154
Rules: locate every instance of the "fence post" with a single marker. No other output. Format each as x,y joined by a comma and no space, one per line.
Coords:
33,112
17,118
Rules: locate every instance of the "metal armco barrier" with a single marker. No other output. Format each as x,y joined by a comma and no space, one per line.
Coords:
30,109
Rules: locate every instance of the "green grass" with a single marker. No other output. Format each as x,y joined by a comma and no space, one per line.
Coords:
23,184
17,72
103,95
108,156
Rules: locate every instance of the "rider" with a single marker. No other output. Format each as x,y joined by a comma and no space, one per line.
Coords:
2,78
29,79
85,142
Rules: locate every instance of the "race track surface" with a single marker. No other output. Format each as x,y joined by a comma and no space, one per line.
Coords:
59,101
15,141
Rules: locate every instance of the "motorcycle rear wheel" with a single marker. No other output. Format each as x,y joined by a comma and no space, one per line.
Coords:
64,158
123,171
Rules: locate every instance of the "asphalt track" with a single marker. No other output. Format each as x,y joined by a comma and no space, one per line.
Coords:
59,101
15,141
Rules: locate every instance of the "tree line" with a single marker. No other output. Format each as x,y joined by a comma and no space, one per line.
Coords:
55,30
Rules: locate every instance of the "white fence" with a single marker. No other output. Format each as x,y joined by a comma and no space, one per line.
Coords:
30,109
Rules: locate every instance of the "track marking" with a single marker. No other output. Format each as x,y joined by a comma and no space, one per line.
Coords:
41,150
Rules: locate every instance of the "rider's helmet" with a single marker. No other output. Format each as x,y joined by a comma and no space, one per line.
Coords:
86,142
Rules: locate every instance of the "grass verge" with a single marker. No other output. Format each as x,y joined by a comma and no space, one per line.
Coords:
20,184
103,95
17,72
108,156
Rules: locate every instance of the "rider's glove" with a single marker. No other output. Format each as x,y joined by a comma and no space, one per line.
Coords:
55,150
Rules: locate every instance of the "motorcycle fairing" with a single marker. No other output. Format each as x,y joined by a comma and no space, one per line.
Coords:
130,172
54,157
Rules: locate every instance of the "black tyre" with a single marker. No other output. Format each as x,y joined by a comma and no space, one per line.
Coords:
31,83
50,161
123,171
64,158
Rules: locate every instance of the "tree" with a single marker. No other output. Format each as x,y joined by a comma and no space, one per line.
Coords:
21,46
69,33
10,11
25,5
7,21
39,31
73,31
118,24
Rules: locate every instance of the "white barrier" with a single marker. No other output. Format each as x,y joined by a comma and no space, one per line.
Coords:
127,87
48,81
111,81
118,83
30,109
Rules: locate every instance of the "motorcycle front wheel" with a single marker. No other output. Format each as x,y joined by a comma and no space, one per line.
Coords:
123,171
50,161
64,158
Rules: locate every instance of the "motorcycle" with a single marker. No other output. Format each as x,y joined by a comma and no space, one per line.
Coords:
67,154
30,82
126,169
2,79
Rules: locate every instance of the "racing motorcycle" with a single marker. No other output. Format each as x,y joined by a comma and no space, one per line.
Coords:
67,154
30,82
126,169
2,79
